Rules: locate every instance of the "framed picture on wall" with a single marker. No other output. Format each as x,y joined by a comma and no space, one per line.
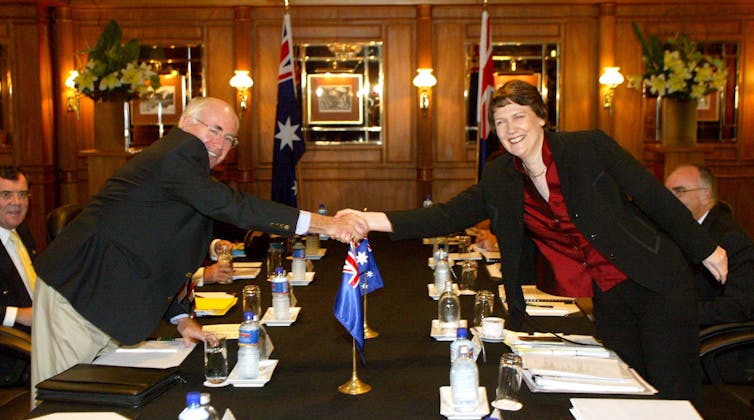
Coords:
708,107
530,78
164,106
334,99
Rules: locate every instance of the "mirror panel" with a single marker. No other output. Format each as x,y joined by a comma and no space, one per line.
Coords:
536,63
340,92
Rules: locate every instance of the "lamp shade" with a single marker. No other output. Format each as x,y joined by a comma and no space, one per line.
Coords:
424,78
241,80
611,76
70,81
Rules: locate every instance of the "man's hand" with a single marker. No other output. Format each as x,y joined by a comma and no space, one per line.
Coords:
23,316
348,228
191,331
376,221
717,264
220,272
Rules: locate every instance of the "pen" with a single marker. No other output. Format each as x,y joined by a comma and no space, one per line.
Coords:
539,306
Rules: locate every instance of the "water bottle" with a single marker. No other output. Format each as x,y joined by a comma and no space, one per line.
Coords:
462,339
298,266
427,201
323,211
464,382
248,347
449,309
442,274
205,401
281,302
194,409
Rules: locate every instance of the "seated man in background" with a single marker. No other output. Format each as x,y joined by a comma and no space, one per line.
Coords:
17,274
696,187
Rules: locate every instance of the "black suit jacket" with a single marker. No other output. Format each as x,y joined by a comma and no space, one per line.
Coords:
734,301
12,289
121,262
619,207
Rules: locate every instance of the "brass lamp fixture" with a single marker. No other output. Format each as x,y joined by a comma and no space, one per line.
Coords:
424,80
242,82
73,97
610,79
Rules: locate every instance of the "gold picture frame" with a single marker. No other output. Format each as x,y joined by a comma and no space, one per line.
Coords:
708,107
334,99
530,78
170,95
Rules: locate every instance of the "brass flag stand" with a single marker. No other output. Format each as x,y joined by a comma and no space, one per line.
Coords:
355,386
368,332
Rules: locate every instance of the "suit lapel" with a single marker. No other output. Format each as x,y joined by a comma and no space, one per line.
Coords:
562,162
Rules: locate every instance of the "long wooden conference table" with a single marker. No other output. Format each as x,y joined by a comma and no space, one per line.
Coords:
405,366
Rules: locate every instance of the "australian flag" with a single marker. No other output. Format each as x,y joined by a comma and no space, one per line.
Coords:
359,267
289,143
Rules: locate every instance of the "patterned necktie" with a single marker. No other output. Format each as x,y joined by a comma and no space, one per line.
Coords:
23,255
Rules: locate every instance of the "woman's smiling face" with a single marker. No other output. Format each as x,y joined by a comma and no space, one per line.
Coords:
519,129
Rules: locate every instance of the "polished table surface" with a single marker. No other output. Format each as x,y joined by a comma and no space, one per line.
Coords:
405,366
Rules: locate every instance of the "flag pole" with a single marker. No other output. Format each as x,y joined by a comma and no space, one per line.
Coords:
368,332
354,386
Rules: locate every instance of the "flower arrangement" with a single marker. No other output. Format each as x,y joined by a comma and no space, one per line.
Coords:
677,69
112,72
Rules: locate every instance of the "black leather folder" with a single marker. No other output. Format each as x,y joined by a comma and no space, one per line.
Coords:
112,385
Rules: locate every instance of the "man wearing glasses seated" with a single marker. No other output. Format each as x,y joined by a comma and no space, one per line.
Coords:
117,269
696,187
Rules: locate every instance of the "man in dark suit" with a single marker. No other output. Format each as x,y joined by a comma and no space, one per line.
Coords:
18,251
601,226
696,187
116,270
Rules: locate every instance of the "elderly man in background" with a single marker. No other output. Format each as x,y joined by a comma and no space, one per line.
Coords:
17,274
696,187
116,270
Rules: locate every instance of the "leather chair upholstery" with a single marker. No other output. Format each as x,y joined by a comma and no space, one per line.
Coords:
60,217
727,358
15,396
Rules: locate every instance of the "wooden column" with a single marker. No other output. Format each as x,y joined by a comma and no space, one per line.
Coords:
242,61
606,59
424,124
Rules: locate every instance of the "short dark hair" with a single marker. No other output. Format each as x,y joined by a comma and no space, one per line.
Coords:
517,92
11,173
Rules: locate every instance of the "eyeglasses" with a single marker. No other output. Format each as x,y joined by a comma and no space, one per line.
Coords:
684,190
8,195
216,130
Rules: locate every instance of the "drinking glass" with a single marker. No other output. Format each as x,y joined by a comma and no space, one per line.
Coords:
215,359
312,244
468,275
225,256
252,300
508,382
463,244
275,257
483,304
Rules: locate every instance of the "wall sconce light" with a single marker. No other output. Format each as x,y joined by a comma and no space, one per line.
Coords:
74,97
610,79
242,82
424,81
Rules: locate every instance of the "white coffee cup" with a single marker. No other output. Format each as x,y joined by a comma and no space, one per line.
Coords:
492,327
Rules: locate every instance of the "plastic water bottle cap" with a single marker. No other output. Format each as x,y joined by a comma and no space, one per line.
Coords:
321,205
462,332
248,316
193,398
278,270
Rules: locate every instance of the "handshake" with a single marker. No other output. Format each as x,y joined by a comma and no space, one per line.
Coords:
350,225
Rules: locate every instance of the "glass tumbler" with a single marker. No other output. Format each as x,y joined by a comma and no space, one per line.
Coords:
468,275
215,360
508,382
252,300
483,304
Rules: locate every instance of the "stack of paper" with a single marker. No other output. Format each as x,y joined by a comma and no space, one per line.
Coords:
545,343
617,409
158,354
213,303
539,303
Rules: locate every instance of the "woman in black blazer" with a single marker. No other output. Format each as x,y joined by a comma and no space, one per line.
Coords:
578,215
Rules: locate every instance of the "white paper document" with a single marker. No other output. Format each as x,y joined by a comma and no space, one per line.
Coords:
620,409
539,303
229,331
148,354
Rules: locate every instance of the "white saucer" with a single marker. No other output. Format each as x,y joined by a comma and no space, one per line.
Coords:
308,278
444,335
269,317
266,367
477,331
317,256
447,409
507,405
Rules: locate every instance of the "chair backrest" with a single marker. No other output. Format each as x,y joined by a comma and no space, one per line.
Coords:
727,353
59,218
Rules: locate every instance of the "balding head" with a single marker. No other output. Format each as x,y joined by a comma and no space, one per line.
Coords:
695,186
214,122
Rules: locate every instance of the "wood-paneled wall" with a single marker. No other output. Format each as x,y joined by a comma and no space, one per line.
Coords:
419,153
